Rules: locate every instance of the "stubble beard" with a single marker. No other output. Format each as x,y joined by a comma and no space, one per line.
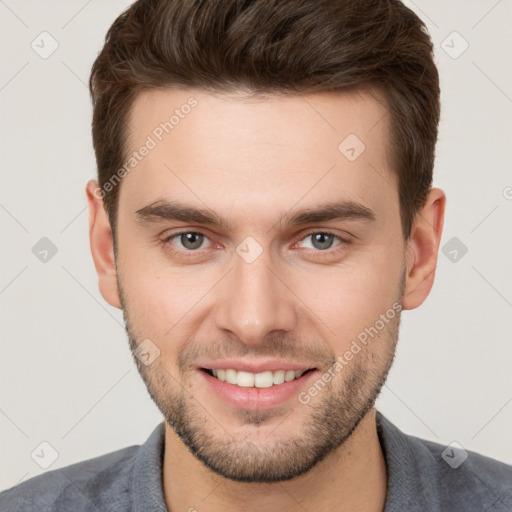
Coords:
332,417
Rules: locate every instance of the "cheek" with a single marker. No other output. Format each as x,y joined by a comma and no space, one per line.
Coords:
349,298
166,304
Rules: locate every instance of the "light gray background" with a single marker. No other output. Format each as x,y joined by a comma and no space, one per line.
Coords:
66,373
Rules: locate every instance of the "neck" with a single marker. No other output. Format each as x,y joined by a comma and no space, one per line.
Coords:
351,478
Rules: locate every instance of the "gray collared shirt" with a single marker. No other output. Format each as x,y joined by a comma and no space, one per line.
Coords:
421,478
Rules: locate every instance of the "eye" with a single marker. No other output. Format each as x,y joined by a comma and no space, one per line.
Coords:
322,241
190,241
187,243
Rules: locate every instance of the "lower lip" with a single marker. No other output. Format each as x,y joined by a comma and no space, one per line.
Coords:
253,399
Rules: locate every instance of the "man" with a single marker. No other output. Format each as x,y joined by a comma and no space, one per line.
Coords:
264,211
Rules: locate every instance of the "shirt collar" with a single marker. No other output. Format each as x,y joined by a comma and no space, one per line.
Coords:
412,484
147,488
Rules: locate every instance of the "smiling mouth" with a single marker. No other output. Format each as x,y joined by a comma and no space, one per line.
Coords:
265,379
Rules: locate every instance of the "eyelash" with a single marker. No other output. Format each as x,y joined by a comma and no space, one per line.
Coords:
166,242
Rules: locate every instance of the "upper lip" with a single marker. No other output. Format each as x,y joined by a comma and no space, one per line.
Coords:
260,366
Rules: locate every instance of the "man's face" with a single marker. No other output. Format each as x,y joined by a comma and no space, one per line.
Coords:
262,293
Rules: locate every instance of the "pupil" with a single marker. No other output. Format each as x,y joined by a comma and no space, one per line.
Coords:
321,237
188,240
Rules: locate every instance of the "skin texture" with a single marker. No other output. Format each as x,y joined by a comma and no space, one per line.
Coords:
253,161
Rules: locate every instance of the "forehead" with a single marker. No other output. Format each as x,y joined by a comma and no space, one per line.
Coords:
244,118
247,152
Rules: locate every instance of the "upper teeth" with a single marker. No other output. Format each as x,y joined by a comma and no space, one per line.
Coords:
258,380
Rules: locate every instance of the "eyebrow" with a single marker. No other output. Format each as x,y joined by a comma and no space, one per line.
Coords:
164,210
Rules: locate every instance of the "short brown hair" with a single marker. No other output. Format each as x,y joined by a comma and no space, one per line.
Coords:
273,46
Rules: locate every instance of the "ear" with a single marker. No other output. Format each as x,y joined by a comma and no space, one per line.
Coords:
422,249
102,246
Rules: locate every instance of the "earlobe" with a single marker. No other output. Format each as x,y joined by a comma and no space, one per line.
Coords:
422,249
102,247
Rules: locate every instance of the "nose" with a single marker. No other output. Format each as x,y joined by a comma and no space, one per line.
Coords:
256,301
